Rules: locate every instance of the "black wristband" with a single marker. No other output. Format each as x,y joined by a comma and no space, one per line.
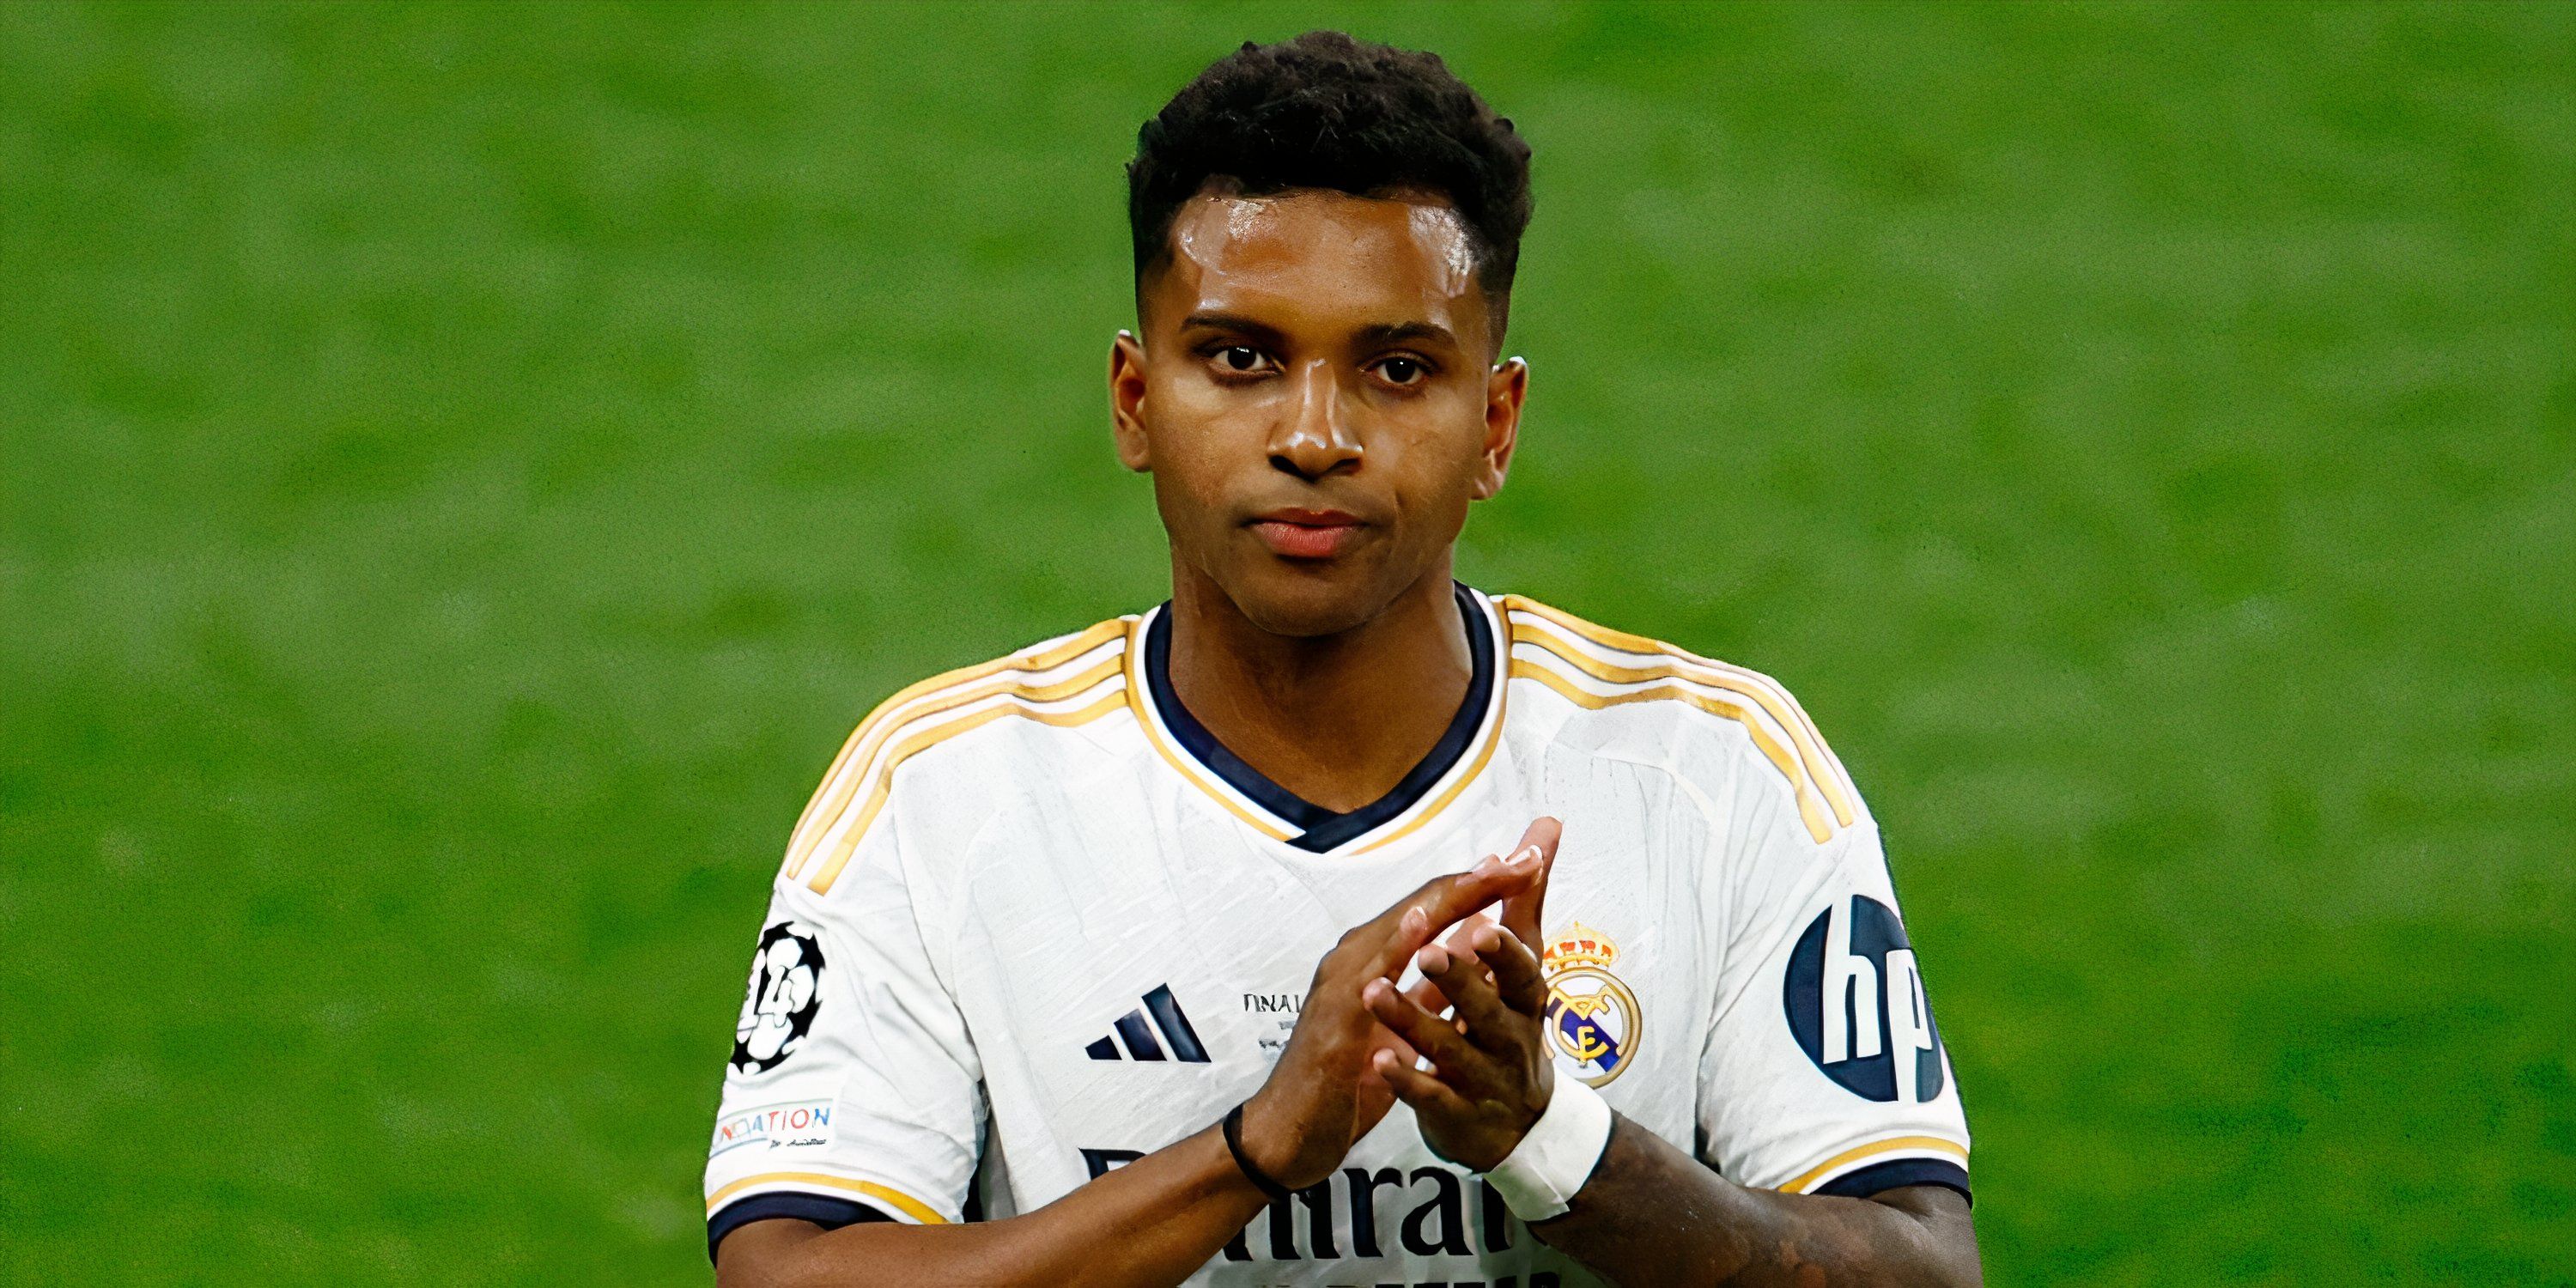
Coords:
1234,1145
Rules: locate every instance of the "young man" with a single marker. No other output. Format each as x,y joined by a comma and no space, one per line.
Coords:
1158,953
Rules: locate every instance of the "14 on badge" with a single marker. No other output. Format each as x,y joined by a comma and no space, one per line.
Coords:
786,990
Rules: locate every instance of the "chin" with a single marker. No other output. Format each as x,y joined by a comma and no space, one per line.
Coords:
1304,601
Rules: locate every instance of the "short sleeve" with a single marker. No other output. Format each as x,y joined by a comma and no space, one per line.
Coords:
853,1093
1823,1072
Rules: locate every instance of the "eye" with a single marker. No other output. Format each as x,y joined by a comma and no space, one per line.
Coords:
1403,372
1239,359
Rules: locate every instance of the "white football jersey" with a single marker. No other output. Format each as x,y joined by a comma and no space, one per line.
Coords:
1037,923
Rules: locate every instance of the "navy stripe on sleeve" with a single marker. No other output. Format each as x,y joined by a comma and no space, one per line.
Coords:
821,1209
1878,1178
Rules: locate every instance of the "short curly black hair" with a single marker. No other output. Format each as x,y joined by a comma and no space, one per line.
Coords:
1327,111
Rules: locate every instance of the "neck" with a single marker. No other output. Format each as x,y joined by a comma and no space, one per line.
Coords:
1337,719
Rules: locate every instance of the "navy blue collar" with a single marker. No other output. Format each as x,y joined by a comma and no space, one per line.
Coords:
1321,829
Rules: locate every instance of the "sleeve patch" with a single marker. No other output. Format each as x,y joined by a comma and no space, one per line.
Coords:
782,999
1855,1003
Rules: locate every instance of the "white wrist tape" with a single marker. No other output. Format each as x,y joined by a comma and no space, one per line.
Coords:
1558,1154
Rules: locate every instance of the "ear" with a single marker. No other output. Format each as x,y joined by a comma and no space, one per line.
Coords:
1505,388
1127,402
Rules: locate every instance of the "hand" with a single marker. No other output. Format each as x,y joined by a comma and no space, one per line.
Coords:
1325,1093
1493,1069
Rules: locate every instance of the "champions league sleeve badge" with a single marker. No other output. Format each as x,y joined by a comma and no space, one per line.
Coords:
786,991
1591,1017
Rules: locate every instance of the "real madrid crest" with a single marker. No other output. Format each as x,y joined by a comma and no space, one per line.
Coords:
1591,1017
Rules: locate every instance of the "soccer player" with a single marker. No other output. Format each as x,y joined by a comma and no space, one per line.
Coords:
1163,951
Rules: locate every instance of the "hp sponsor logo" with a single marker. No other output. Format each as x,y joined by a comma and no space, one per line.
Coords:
1856,1004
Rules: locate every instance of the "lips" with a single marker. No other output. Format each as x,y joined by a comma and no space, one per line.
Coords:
1306,534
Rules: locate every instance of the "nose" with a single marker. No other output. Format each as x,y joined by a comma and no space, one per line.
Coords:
1315,439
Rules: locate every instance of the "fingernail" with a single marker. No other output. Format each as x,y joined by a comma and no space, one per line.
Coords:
1486,864
1416,921
1432,960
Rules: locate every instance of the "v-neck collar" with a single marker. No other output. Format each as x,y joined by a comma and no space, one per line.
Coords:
1304,824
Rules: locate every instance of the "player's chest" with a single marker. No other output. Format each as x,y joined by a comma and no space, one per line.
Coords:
1142,992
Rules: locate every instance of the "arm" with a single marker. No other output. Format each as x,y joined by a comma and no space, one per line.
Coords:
1153,1221
1158,1219
1649,1213
1652,1214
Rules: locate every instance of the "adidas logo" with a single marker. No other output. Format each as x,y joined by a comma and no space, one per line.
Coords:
1138,1037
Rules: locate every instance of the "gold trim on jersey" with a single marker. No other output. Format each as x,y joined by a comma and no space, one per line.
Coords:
841,852
1494,716
1452,792
1814,1176
1808,810
896,732
911,1207
1814,775
833,796
1150,721
1261,820
1770,694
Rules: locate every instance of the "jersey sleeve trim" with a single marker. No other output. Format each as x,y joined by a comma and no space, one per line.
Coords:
1851,1162
829,1213
1565,654
1073,682
1896,1174
905,1205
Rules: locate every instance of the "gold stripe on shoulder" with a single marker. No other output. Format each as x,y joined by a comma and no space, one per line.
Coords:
1767,693
1809,811
848,771
910,1206
836,855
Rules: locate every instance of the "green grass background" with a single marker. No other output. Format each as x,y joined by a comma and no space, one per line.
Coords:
462,470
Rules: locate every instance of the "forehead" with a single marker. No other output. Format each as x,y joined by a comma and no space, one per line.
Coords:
1323,258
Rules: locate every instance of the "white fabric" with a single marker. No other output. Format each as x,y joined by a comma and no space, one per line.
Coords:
1542,1174
1040,864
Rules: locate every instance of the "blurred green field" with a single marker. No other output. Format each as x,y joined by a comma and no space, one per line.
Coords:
463,469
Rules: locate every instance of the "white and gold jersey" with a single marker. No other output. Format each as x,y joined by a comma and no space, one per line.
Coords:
1037,923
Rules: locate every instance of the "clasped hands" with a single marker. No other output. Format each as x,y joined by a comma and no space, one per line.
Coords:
1476,1017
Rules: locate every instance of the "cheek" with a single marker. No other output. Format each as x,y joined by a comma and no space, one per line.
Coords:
1196,457
1435,473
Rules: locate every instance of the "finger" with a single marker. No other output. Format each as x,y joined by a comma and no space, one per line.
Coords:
1461,942
1461,938
1518,977
1439,904
1420,1029
1425,1093
1489,1025
1428,996
1532,860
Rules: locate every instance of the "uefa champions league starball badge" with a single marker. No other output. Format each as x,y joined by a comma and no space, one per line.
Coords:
1591,1017
786,991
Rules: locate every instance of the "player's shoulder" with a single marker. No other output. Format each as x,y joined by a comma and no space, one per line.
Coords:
1650,700
975,730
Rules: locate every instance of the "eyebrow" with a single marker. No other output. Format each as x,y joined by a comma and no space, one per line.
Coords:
1229,322
1398,332
1374,334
